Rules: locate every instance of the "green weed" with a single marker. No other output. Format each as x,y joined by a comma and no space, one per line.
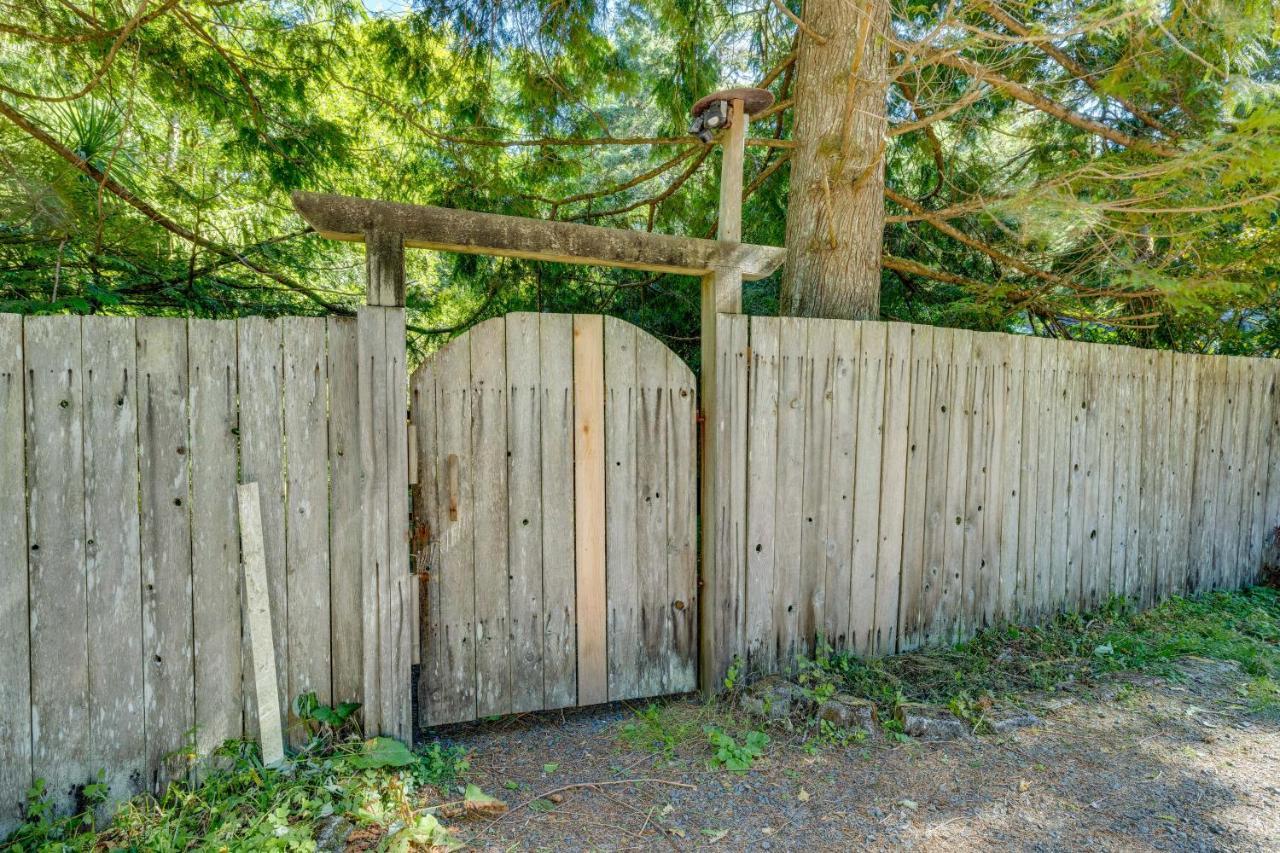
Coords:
1007,660
727,753
243,805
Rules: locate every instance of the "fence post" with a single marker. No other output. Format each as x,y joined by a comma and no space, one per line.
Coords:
385,584
721,294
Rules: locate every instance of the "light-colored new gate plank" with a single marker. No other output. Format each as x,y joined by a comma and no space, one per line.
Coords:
589,508
166,544
60,745
307,507
559,643
215,532
15,649
524,509
111,554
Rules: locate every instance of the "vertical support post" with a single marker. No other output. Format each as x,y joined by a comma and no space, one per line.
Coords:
733,146
385,581
721,293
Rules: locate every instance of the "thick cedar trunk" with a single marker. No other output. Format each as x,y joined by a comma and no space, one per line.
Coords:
835,218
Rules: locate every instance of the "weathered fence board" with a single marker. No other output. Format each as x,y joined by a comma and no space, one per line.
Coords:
112,563
166,544
556,467
121,629
564,514
60,733
215,532
345,471
307,506
1003,477
15,664
524,509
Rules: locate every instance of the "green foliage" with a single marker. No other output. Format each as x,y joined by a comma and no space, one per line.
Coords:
322,721
656,730
1004,661
242,805
208,113
729,754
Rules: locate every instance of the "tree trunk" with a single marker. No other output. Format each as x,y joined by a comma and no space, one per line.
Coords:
835,217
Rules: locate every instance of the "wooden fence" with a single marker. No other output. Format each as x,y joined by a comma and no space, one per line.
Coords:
885,485
554,516
122,442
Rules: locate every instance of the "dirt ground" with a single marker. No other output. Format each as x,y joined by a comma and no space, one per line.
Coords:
1138,763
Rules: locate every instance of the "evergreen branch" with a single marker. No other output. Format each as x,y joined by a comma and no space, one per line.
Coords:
1084,75
1047,105
124,194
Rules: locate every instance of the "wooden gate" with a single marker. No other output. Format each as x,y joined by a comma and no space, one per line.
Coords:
554,517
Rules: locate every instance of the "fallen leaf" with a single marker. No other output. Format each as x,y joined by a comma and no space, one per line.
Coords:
803,796
715,834
909,804
1023,786
477,802
550,767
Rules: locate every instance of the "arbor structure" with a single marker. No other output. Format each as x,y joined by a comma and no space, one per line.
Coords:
1095,169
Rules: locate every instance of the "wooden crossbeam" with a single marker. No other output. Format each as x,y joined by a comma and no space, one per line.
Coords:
445,229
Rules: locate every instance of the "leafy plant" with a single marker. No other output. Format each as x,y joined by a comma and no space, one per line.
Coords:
731,755
323,721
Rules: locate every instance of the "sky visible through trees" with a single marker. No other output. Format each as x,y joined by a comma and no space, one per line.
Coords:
1099,170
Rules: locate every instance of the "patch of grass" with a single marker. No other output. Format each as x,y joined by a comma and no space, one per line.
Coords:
376,785
1007,660
665,728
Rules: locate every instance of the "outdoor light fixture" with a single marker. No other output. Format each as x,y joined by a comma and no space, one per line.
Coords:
713,113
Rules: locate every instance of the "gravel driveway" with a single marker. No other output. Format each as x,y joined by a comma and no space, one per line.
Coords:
1138,763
